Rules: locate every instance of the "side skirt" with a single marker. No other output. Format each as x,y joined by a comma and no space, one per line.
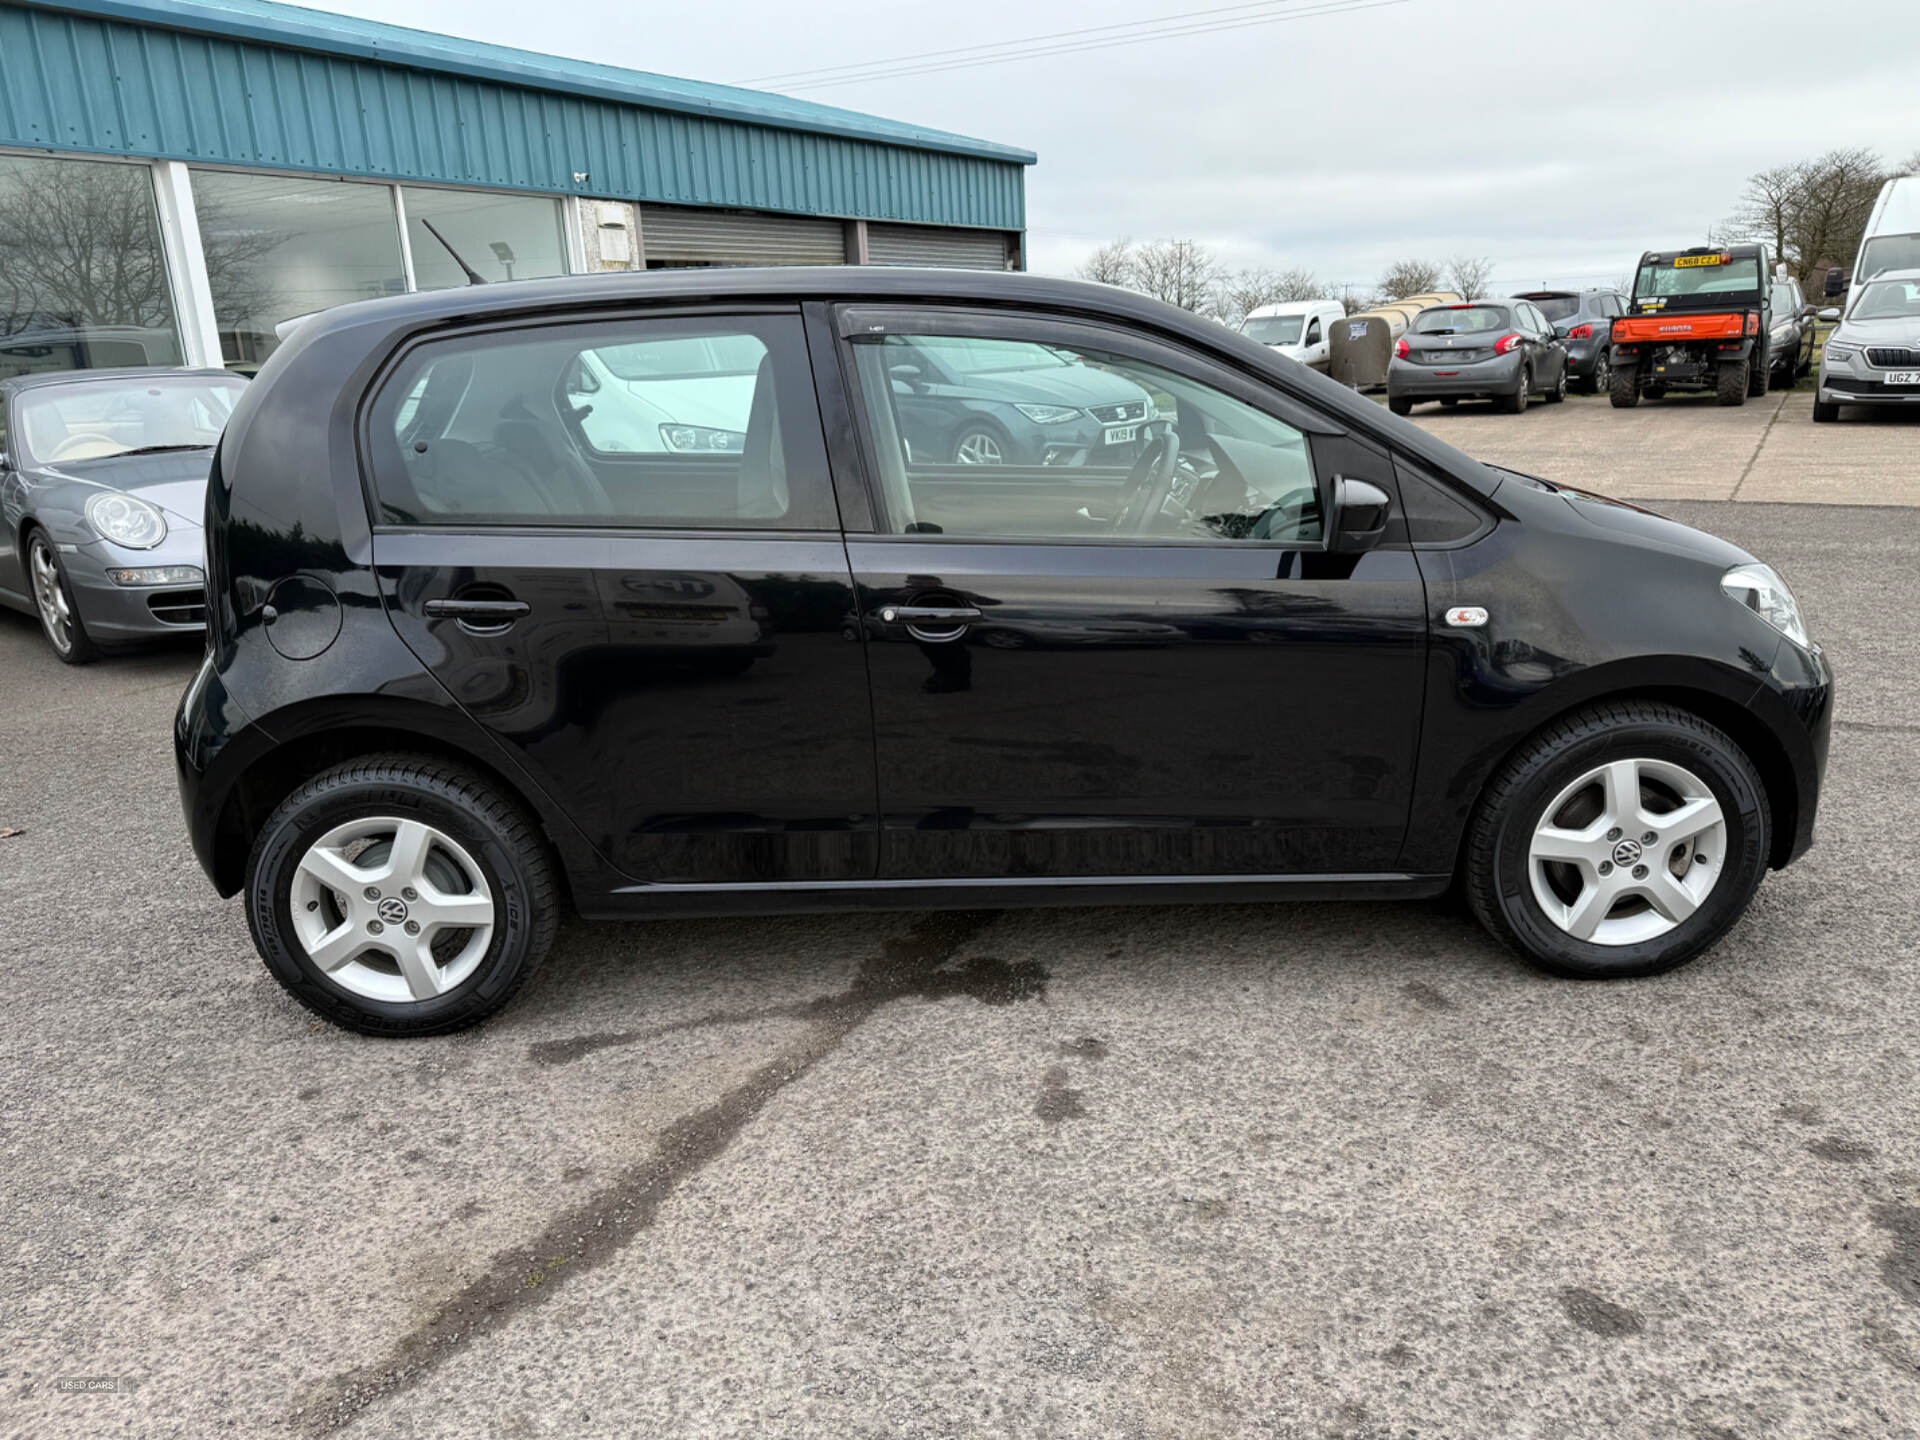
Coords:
805,897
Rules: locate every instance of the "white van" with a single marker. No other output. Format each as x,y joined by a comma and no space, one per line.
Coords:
1297,328
1892,239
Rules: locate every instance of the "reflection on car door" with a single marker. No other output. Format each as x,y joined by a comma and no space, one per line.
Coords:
1052,697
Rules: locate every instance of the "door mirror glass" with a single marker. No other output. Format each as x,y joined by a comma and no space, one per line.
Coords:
1360,511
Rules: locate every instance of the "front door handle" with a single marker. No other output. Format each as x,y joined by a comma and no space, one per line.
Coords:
930,614
478,612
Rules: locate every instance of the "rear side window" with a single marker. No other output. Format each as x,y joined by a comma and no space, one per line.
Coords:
1559,307
667,423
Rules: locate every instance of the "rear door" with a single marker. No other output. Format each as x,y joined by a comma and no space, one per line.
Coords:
615,545
1151,667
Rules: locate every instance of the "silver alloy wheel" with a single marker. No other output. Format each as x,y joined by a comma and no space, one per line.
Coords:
1602,376
978,447
1627,852
50,596
391,909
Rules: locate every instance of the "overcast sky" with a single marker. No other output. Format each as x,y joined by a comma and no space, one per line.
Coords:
1558,139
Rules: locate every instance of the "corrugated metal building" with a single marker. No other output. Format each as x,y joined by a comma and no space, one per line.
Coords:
178,176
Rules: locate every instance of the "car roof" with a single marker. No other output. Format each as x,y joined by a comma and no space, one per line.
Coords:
1897,212
36,379
1745,252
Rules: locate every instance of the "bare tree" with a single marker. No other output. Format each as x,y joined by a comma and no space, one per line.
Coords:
1909,166
1180,272
1409,277
1244,291
1810,213
1111,264
1350,302
1767,208
1469,275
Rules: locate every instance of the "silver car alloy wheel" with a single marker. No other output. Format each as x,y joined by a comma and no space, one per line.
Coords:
1602,376
50,596
1627,852
391,909
977,447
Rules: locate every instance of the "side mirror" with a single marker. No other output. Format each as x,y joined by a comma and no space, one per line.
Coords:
907,375
1359,515
1836,282
1831,314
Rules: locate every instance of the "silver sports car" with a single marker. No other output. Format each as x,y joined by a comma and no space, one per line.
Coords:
103,481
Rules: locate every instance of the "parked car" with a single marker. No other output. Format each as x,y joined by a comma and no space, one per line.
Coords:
1698,319
1793,339
1874,357
1500,350
103,478
1891,240
1295,647
1582,319
1297,329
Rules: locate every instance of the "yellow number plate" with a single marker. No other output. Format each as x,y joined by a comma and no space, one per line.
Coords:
1682,262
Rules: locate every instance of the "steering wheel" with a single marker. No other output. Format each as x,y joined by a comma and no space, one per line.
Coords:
70,448
1148,484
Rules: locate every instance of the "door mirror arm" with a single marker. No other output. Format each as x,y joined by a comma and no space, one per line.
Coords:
1360,511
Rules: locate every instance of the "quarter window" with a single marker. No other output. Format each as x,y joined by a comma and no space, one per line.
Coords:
672,423
1016,439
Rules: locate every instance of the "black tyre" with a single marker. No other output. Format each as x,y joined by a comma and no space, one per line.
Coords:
55,605
1559,390
1399,404
1623,840
1825,413
1730,385
1623,386
1516,403
401,895
1758,369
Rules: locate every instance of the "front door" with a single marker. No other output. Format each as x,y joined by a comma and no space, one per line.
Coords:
1085,665
615,545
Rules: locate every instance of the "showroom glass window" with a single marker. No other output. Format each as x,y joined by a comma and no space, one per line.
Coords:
279,247
83,278
658,423
503,237
1008,439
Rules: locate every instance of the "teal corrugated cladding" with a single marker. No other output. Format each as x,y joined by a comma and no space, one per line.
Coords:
73,82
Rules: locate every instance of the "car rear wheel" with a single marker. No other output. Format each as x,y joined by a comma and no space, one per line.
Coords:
53,602
401,895
1623,387
1731,383
1602,382
1516,403
1623,840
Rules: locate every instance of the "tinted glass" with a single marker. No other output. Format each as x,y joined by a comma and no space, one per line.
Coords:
278,248
1462,320
83,280
96,419
1076,444
1559,307
1274,329
503,237
668,423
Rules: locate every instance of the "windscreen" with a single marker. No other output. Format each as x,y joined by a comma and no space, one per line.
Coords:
1557,307
92,420
1888,252
1888,300
1685,276
1274,329
1461,320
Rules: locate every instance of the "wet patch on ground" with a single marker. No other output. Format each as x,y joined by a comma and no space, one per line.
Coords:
1058,1100
1901,1268
1600,1316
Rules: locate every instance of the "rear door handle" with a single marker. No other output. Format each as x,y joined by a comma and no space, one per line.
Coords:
478,612
930,614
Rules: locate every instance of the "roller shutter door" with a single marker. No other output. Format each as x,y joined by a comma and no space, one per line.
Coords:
679,235
934,245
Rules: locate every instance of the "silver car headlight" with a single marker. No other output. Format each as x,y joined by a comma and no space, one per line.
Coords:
1761,590
1839,354
126,520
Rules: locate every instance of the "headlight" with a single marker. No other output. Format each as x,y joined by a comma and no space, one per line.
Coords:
1836,351
1048,414
693,439
126,521
1762,591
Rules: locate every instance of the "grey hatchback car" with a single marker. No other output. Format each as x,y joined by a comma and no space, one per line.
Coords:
103,482
1500,350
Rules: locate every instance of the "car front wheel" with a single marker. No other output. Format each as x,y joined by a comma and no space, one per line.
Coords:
53,602
401,895
1623,840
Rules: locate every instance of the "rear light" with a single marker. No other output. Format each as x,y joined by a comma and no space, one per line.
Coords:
1401,349
1753,322
1580,332
1506,344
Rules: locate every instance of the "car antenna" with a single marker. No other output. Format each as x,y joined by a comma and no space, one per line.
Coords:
474,277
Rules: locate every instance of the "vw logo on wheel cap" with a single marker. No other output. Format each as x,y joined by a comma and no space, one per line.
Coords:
393,910
1627,852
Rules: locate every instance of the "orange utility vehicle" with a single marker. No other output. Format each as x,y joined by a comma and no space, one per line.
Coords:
1698,320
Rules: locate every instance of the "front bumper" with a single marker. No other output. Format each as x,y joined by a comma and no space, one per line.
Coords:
122,613
1498,376
1862,387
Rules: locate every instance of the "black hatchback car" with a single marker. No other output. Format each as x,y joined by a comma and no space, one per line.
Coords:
466,667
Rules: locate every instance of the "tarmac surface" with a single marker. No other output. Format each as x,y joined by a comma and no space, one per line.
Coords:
1286,1171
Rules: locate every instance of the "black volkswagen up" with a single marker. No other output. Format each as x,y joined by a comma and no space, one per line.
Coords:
634,594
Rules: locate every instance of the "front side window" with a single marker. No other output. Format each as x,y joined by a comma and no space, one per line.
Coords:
83,278
1075,443
132,415
672,423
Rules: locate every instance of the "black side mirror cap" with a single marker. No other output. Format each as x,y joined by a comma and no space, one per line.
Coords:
1360,511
